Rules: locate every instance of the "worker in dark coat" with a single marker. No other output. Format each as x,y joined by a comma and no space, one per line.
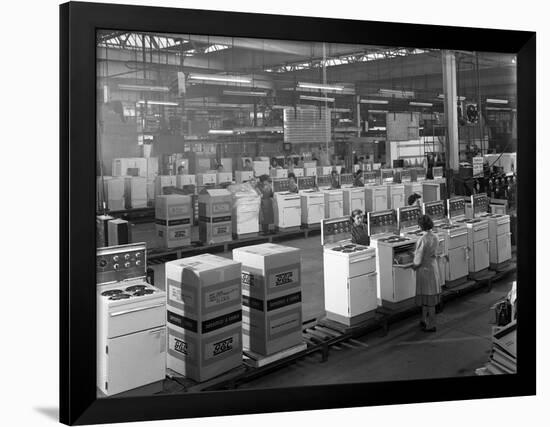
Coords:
334,180
414,199
358,179
266,203
359,230
428,282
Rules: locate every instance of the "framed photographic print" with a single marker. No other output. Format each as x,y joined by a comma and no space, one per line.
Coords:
266,213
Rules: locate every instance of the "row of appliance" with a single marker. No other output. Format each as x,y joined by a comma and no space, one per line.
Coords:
358,279
316,200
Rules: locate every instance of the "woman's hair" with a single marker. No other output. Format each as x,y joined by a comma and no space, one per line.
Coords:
334,171
264,178
425,223
354,213
359,172
413,198
291,175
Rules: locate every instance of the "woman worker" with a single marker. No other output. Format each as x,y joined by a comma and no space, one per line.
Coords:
292,186
428,283
414,199
334,180
359,230
358,179
266,203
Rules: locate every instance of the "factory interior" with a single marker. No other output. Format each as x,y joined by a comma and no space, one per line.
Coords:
276,213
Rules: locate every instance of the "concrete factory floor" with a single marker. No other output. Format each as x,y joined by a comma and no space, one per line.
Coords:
461,344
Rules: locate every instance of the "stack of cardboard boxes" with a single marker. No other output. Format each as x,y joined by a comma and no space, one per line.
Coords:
204,316
272,298
173,217
215,216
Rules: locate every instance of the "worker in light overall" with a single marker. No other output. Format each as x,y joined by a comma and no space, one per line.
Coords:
428,282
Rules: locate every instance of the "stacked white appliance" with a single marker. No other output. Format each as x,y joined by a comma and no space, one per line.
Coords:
334,198
395,191
287,206
312,201
478,237
354,198
350,276
456,241
500,237
436,188
376,194
411,186
131,321
396,284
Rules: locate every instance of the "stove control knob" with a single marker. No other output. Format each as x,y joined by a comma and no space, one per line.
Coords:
126,256
115,266
102,263
115,258
126,265
138,262
138,254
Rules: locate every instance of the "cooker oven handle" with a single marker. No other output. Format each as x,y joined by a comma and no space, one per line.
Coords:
459,234
134,310
362,259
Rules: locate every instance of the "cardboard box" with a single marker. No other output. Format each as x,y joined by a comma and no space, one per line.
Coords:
121,165
173,219
162,181
182,180
224,177
114,193
310,171
119,232
260,167
135,192
278,173
215,216
102,230
272,297
227,163
206,178
243,176
152,167
200,162
204,316
324,170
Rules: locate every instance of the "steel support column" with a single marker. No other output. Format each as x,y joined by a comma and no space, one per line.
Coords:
451,113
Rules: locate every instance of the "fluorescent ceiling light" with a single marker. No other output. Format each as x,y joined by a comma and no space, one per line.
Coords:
340,110
175,104
145,88
244,93
374,101
220,132
496,101
219,78
421,104
320,86
378,111
460,98
397,93
316,98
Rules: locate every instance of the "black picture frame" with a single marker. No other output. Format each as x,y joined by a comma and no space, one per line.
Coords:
78,25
